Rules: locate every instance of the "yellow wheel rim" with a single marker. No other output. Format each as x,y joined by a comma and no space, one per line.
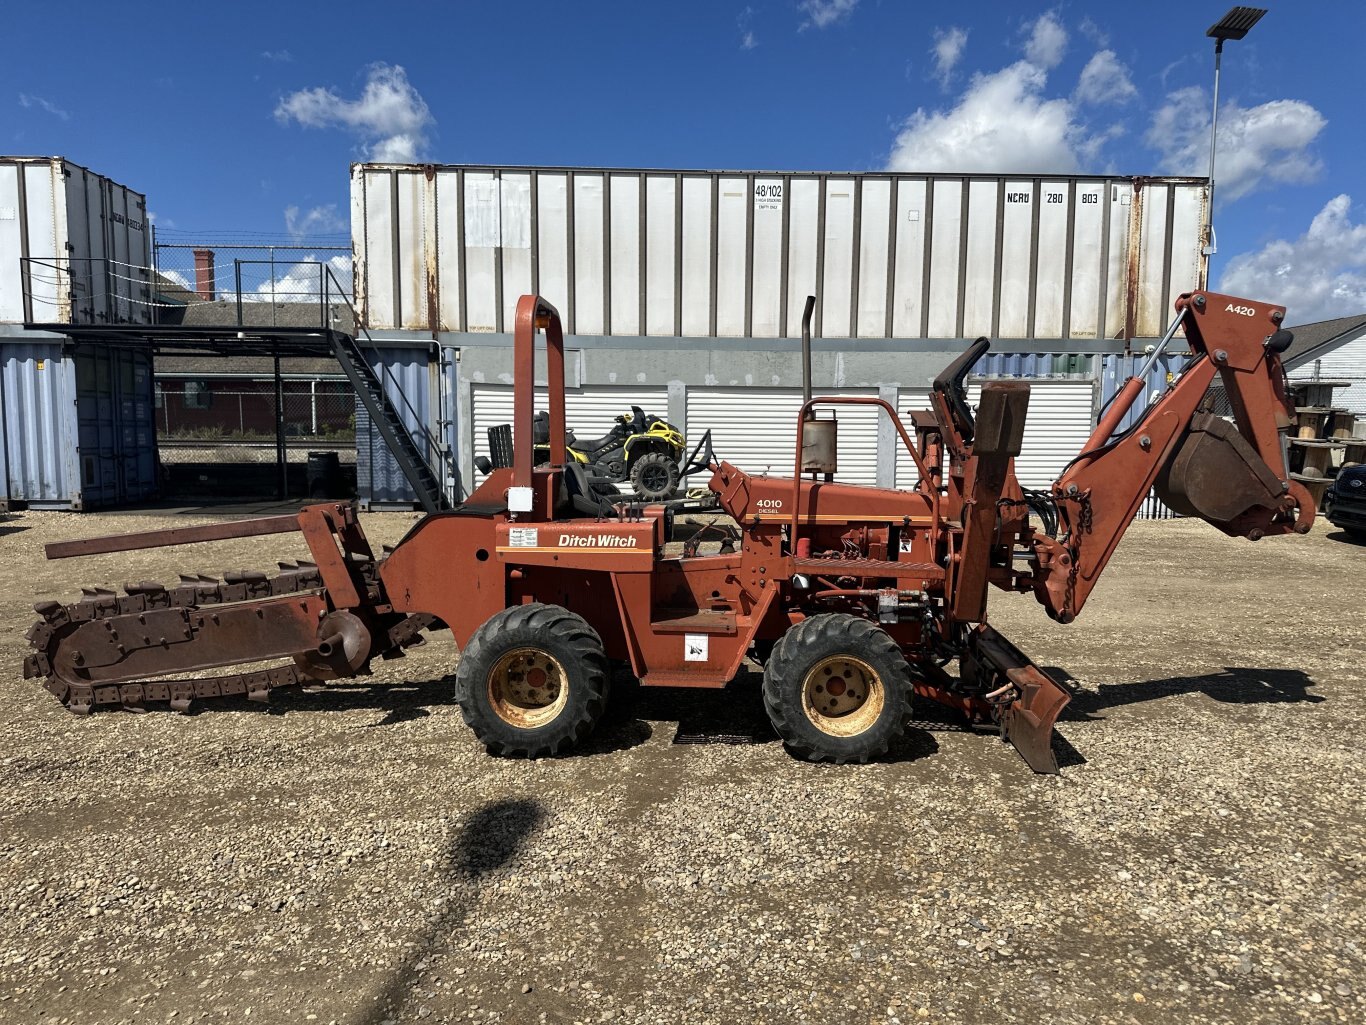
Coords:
843,696
528,688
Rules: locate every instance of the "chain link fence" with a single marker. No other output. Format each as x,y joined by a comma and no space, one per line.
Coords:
253,285
221,437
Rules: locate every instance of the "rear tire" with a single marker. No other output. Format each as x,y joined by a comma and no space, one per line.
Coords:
533,681
837,689
654,476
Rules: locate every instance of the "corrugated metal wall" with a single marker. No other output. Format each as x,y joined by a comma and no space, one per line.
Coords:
38,393
756,429
89,240
413,387
79,431
733,254
1347,363
1059,421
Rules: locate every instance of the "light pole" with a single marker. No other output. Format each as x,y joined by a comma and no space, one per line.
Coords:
1233,25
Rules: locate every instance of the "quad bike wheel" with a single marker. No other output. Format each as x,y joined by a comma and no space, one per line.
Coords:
837,689
655,477
533,681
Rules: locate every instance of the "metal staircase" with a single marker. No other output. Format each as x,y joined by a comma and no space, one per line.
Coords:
386,419
378,400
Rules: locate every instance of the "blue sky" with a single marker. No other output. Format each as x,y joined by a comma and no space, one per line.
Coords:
244,119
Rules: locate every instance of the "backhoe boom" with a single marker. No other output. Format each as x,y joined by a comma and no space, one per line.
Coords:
1231,475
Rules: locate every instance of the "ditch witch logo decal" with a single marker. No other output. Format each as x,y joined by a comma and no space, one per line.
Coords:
596,541
530,537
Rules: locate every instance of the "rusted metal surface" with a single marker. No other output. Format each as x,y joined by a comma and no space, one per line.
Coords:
1024,700
173,536
909,569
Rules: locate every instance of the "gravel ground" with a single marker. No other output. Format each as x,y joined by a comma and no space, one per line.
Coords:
354,857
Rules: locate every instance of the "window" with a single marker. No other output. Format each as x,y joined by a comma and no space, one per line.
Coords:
197,395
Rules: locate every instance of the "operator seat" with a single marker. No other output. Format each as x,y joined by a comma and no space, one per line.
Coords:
582,499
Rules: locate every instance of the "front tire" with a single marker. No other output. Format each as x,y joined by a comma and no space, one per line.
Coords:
654,476
837,689
533,681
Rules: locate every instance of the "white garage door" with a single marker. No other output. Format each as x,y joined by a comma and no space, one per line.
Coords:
756,429
588,411
1057,426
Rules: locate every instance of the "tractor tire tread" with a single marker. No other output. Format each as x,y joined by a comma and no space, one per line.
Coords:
817,637
581,648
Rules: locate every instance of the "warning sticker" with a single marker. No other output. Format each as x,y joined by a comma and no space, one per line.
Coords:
523,537
695,647
905,545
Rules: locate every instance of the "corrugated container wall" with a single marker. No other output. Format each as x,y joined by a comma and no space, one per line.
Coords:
74,246
733,254
77,425
418,392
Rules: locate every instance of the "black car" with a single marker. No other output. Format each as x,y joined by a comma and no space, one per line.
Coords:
1345,502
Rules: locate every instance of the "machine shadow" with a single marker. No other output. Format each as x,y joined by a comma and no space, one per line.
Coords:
734,715
1340,536
11,528
1235,686
488,841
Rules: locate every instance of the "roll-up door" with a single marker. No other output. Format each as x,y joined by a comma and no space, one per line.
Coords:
589,411
1059,421
756,429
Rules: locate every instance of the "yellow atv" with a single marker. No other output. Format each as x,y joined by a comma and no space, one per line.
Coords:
640,451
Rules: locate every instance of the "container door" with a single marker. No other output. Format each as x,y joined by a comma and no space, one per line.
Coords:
407,379
38,412
136,455
97,430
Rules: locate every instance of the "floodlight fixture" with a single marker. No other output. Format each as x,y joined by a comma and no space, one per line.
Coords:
1236,23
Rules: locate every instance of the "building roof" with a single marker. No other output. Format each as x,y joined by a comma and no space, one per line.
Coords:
224,313
183,307
171,291
168,365
1315,340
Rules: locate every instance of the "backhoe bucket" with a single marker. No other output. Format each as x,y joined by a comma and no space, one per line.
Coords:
1028,701
1213,473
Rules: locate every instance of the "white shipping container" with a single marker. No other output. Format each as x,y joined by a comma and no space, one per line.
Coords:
74,246
733,254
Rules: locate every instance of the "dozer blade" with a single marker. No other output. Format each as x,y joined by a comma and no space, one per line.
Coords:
1029,702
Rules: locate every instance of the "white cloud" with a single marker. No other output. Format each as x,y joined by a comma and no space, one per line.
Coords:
301,282
1319,275
390,117
277,56
1094,32
29,101
1266,143
948,50
320,220
1047,41
1002,124
824,13
175,277
748,40
1105,79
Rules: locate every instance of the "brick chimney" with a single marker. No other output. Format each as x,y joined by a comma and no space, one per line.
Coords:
203,275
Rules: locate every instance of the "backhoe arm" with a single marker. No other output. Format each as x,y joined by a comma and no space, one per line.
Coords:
1231,475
